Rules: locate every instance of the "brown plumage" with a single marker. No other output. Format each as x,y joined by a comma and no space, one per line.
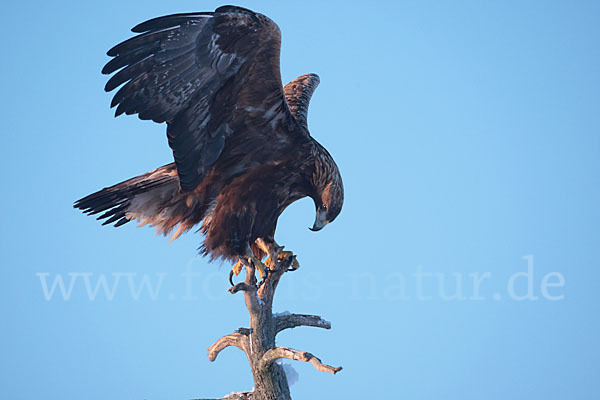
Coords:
240,140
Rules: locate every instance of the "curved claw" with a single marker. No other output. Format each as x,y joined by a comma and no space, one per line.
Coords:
231,278
294,265
263,280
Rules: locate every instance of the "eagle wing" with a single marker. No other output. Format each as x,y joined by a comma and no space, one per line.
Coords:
209,76
298,93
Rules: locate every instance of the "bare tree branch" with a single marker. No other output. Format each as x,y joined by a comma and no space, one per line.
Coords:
242,286
285,352
293,320
258,341
235,339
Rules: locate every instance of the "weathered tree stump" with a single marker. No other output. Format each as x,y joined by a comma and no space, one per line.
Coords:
258,341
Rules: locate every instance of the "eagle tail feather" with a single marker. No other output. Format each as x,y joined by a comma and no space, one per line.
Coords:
152,198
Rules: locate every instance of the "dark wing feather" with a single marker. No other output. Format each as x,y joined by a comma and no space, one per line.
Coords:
298,93
159,23
208,75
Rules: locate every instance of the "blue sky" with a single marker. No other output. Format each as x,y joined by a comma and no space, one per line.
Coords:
468,138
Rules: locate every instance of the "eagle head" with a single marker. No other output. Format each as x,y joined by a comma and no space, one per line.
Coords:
329,192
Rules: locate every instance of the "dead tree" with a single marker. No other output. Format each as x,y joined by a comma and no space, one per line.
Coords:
258,341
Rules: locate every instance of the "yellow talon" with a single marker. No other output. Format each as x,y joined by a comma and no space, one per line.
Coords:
269,263
282,256
237,268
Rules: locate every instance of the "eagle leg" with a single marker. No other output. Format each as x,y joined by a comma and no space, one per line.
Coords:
262,268
275,252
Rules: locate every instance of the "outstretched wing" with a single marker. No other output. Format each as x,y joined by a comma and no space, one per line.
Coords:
206,75
298,93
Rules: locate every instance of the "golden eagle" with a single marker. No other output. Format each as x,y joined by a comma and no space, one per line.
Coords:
240,140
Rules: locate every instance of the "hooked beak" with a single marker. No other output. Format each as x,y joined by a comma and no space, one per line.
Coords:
320,220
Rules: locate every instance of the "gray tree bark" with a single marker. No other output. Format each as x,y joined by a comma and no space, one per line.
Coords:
258,341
